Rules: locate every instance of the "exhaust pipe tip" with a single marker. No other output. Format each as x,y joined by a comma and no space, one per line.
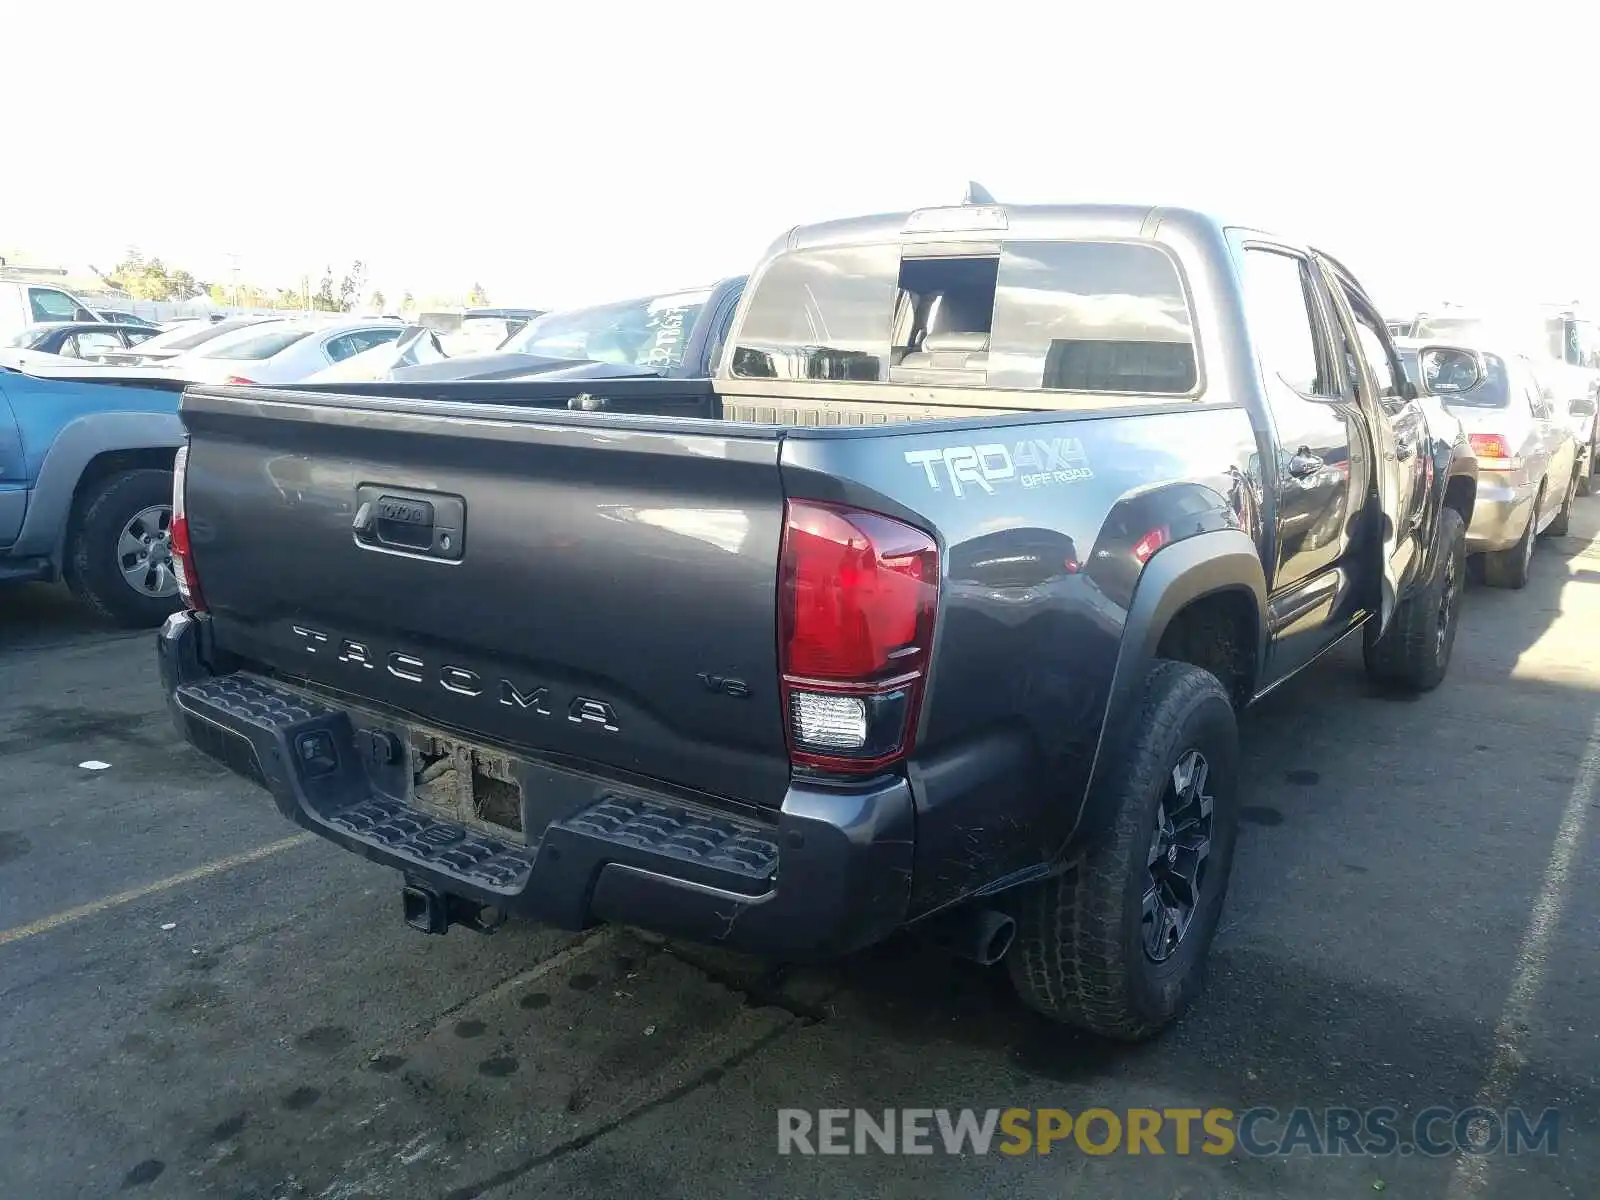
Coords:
980,935
999,943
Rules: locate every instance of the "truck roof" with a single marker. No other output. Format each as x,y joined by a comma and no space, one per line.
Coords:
1021,221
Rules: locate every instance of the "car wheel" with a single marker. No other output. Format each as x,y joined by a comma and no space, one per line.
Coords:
1586,475
1563,518
1118,944
1509,568
119,551
1414,652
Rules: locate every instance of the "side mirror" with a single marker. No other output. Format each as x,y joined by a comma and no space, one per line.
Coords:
1582,406
1448,370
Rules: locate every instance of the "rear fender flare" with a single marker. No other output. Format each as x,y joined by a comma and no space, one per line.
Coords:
1222,560
1447,472
78,444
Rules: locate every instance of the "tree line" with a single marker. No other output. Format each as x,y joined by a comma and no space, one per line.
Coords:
151,279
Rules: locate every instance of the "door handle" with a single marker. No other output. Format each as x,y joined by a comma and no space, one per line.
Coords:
1304,464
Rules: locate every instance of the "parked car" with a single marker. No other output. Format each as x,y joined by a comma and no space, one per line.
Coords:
86,486
79,339
416,344
283,351
182,338
1563,344
676,335
484,329
118,317
26,302
1529,462
800,655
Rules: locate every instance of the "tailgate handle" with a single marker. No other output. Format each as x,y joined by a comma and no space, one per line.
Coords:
406,521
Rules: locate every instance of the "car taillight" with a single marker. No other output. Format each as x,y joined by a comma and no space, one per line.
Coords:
238,379
182,551
1150,543
1494,453
857,597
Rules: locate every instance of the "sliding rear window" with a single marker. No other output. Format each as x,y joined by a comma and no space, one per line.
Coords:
1086,316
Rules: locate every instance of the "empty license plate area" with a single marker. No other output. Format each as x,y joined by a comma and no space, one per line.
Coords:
471,785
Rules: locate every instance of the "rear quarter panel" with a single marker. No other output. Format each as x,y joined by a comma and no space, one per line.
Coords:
1036,518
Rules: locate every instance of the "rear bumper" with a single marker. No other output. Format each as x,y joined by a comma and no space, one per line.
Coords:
609,852
1499,515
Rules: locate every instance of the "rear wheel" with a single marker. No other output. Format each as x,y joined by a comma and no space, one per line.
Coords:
1118,945
119,551
1563,520
1414,651
1509,568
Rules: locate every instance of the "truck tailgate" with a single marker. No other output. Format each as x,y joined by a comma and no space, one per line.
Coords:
600,590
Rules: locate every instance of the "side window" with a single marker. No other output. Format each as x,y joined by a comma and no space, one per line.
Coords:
91,343
1287,333
47,304
1588,348
348,344
1375,349
368,338
1533,390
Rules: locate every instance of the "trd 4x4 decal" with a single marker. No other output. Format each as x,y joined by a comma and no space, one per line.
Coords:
1033,462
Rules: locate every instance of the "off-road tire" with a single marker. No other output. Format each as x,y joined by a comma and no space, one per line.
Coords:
1563,518
1414,652
1079,955
1509,568
90,566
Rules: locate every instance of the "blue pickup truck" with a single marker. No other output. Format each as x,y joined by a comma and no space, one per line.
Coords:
86,486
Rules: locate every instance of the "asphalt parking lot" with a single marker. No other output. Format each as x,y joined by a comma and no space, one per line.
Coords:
197,1001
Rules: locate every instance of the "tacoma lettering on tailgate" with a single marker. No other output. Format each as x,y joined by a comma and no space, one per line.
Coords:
535,700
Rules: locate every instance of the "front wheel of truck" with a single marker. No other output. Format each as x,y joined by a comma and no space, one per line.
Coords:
1118,944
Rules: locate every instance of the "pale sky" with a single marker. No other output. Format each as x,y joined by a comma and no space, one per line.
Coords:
570,154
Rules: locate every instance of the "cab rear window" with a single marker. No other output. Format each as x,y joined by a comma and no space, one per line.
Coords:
1078,316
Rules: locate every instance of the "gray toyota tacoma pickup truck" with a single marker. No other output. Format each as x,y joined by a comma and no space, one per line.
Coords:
933,609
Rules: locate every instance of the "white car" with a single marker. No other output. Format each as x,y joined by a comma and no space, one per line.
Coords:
283,351
417,344
184,337
1528,459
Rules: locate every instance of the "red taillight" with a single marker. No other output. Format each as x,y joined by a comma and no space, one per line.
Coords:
1493,451
1150,543
238,379
182,550
858,595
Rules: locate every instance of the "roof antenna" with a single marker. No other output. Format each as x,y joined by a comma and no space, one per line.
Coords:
977,194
